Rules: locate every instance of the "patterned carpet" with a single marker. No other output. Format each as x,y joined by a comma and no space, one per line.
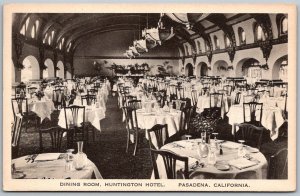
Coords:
108,151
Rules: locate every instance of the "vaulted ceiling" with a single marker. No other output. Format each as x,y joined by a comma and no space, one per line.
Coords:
75,27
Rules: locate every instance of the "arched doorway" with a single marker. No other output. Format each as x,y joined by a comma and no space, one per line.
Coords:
68,72
49,71
280,69
220,68
248,67
31,70
60,71
202,69
189,70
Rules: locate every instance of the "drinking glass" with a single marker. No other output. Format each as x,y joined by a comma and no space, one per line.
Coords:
69,160
241,149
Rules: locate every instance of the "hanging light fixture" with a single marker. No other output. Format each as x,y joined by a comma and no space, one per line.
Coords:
188,19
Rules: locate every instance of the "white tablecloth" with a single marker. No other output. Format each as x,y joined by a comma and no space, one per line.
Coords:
54,169
43,109
272,118
189,148
148,120
92,115
204,102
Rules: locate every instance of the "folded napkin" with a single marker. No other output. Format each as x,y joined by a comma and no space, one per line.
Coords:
231,145
241,163
47,157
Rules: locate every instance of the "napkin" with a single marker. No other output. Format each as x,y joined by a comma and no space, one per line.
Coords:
47,157
241,163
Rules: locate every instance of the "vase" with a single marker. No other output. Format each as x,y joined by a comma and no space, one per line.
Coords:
80,159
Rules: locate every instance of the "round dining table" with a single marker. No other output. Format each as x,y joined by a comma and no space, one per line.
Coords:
51,166
93,115
203,102
43,108
146,120
272,117
252,166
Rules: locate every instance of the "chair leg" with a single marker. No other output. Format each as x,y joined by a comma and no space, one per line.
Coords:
128,140
136,143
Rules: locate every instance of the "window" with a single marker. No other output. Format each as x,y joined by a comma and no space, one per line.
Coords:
199,46
37,23
60,45
25,27
207,46
283,71
27,23
52,34
284,25
33,31
69,47
23,30
227,41
186,50
242,36
49,40
217,43
45,38
259,33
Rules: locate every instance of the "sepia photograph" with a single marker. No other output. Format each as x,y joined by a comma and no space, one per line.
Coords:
149,98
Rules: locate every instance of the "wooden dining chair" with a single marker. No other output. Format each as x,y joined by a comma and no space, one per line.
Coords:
222,91
92,91
89,99
241,88
185,121
278,165
195,97
170,159
161,135
132,128
237,98
135,104
178,104
58,98
205,91
215,103
180,92
20,91
56,136
252,108
75,130
20,106
250,133
16,135
127,89
228,89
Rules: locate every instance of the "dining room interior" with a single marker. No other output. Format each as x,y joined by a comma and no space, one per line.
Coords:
149,96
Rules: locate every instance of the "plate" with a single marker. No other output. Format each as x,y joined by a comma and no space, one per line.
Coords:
222,167
18,175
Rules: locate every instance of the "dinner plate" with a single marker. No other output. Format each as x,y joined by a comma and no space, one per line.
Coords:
222,167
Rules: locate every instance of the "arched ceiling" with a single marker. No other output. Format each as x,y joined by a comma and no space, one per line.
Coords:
75,27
